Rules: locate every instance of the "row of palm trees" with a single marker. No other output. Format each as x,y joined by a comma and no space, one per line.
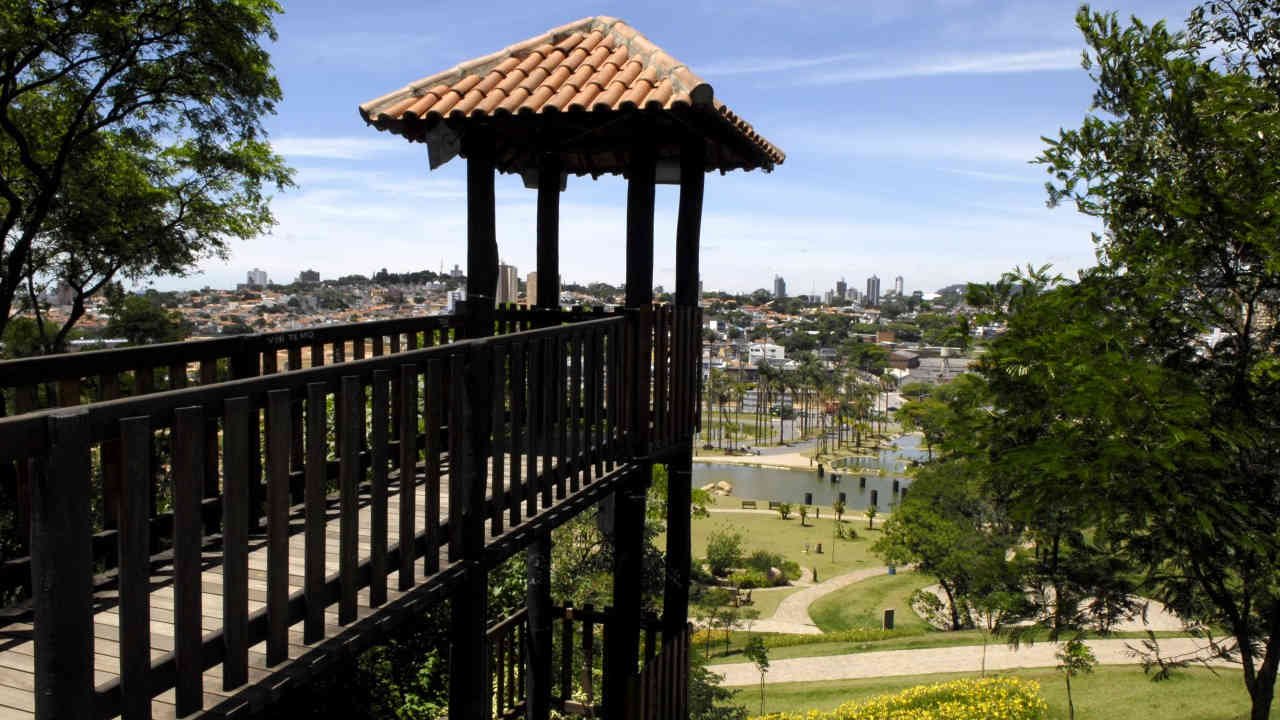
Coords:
840,406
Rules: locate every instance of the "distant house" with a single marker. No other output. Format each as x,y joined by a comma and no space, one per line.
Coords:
904,360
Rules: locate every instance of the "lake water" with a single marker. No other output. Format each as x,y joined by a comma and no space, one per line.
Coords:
857,478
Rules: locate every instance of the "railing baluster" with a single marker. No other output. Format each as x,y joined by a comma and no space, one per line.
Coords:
408,470
532,393
566,654
378,489
588,653
457,487
134,542
62,572
277,496
314,511
499,403
577,444
517,439
188,484
352,422
562,414
433,405
550,384
235,541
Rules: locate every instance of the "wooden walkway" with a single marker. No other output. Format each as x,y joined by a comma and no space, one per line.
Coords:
17,670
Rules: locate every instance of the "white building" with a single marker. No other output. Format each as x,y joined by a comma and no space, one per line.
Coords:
256,278
767,352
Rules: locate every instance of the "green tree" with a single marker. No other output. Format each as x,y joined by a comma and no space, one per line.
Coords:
724,550
758,653
140,320
1074,658
1174,420
131,141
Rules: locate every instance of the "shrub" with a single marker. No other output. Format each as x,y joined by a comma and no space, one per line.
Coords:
749,579
724,550
993,697
762,560
784,509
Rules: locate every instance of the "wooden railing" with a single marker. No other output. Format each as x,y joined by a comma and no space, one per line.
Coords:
661,689
209,473
580,636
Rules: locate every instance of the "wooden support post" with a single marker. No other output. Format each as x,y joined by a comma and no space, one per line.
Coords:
62,571
188,483
689,223
134,449
538,603
482,238
623,648
675,599
549,232
469,695
641,188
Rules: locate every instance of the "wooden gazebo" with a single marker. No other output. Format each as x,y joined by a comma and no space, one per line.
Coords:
454,442
592,97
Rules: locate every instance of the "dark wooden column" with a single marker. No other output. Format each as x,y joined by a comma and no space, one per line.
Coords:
538,555
624,637
538,603
675,601
549,231
482,235
689,222
469,668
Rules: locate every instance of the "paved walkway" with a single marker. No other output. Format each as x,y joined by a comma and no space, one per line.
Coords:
966,658
792,615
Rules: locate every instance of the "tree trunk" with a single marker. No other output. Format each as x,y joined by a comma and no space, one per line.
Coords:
1071,706
1263,691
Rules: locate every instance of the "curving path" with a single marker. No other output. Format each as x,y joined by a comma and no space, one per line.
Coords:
792,615
928,661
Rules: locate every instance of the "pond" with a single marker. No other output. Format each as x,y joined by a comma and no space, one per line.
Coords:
858,478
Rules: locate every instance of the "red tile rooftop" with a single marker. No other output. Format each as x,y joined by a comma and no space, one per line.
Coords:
594,66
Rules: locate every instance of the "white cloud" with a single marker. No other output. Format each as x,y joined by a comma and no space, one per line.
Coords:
985,146
746,66
337,148
972,64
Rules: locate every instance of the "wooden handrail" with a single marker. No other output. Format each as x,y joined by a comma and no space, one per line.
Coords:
559,421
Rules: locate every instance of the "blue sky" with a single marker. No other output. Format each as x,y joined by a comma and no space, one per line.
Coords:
908,128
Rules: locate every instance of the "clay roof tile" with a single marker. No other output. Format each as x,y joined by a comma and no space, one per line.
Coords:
599,64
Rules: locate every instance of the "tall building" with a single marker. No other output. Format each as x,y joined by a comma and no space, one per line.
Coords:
508,285
308,276
872,297
531,289
256,278
842,288
779,287
897,286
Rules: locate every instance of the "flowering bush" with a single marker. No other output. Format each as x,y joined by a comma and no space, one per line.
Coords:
995,698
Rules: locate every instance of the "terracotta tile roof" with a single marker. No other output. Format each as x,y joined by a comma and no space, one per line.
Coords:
597,65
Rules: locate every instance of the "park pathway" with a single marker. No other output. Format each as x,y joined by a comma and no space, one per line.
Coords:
792,615
965,658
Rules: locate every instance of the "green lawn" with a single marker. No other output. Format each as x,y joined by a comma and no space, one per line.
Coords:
862,604
786,537
1111,692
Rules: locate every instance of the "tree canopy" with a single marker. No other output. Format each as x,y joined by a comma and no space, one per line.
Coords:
131,142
